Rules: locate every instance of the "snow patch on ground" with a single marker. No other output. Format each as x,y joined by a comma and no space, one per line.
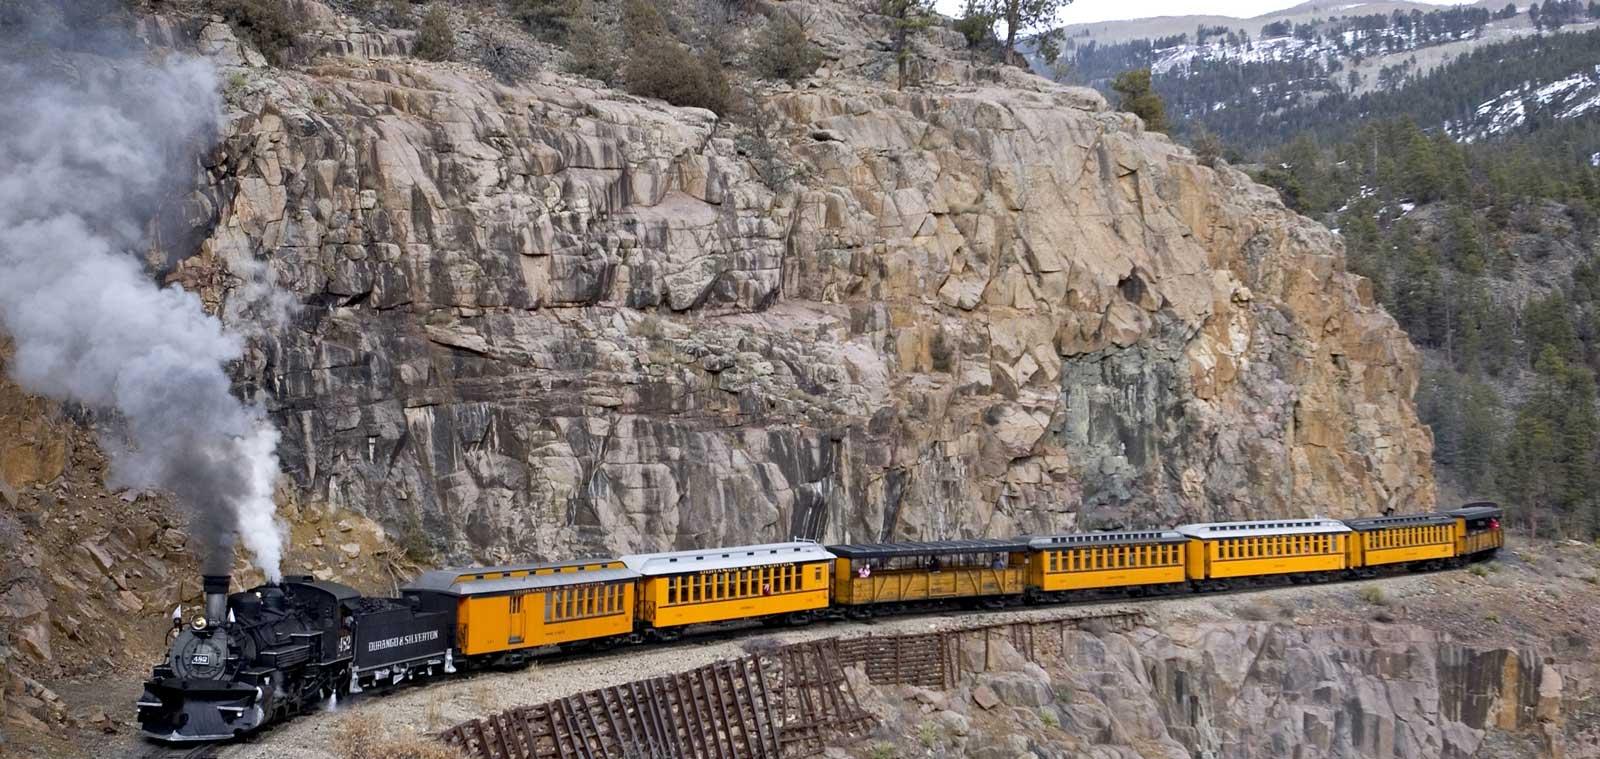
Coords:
1569,97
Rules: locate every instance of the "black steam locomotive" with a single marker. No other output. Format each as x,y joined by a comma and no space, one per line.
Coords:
275,651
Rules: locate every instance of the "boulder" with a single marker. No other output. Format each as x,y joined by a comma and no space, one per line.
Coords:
985,697
1018,689
34,640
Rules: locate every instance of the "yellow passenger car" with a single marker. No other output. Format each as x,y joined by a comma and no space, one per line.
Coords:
783,580
1224,550
1380,541
1060,564
514,608
903,573
1478,533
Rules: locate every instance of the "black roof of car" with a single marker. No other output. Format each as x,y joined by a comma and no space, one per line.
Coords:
931,548
1477,510
1367,524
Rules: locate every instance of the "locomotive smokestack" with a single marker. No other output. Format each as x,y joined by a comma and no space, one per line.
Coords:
216,588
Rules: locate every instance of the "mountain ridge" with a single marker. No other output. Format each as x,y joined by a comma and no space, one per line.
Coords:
1161,26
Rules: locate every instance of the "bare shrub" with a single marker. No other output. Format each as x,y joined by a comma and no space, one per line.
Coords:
359,736
773,163
1374,595
1207,147
643,18
484,697
267,24
593,53
431,716
783,51
499,55
393,13
549,19
436,39
661,67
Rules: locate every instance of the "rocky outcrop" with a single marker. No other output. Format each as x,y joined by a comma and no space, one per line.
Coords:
32,437
1368,690
1244,690
549,319
88,578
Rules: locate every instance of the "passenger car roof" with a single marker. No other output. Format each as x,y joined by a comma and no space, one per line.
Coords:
1477,510
1215,530
1366,524
512,584
453,580
679,562
931,548
1116,537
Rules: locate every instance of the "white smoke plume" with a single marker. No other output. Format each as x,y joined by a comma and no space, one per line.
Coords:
88,146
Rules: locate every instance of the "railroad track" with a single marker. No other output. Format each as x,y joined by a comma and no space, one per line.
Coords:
218,750
162,751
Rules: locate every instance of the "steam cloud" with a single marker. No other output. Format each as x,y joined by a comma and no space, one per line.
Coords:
86,147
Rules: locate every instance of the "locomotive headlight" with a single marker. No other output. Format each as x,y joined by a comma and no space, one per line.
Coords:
199,623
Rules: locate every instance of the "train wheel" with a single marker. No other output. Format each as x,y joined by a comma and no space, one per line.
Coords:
664,634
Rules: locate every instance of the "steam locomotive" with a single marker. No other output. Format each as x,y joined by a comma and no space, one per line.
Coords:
278,650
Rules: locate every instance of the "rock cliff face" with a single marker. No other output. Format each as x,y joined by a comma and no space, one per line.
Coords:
549,319
1243,690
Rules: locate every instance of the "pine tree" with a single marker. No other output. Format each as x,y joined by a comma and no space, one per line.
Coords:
1022,17
1528,475
1465,246
1547,327
1478,459
1423,171
907,19
1140,99
1439,407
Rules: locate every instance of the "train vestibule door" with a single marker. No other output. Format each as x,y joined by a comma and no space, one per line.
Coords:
519,620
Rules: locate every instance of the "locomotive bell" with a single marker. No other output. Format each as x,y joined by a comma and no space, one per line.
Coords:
216,590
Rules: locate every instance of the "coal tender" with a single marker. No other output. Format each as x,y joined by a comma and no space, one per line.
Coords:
269,653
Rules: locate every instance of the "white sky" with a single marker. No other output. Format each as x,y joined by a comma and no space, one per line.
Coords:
1084,11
